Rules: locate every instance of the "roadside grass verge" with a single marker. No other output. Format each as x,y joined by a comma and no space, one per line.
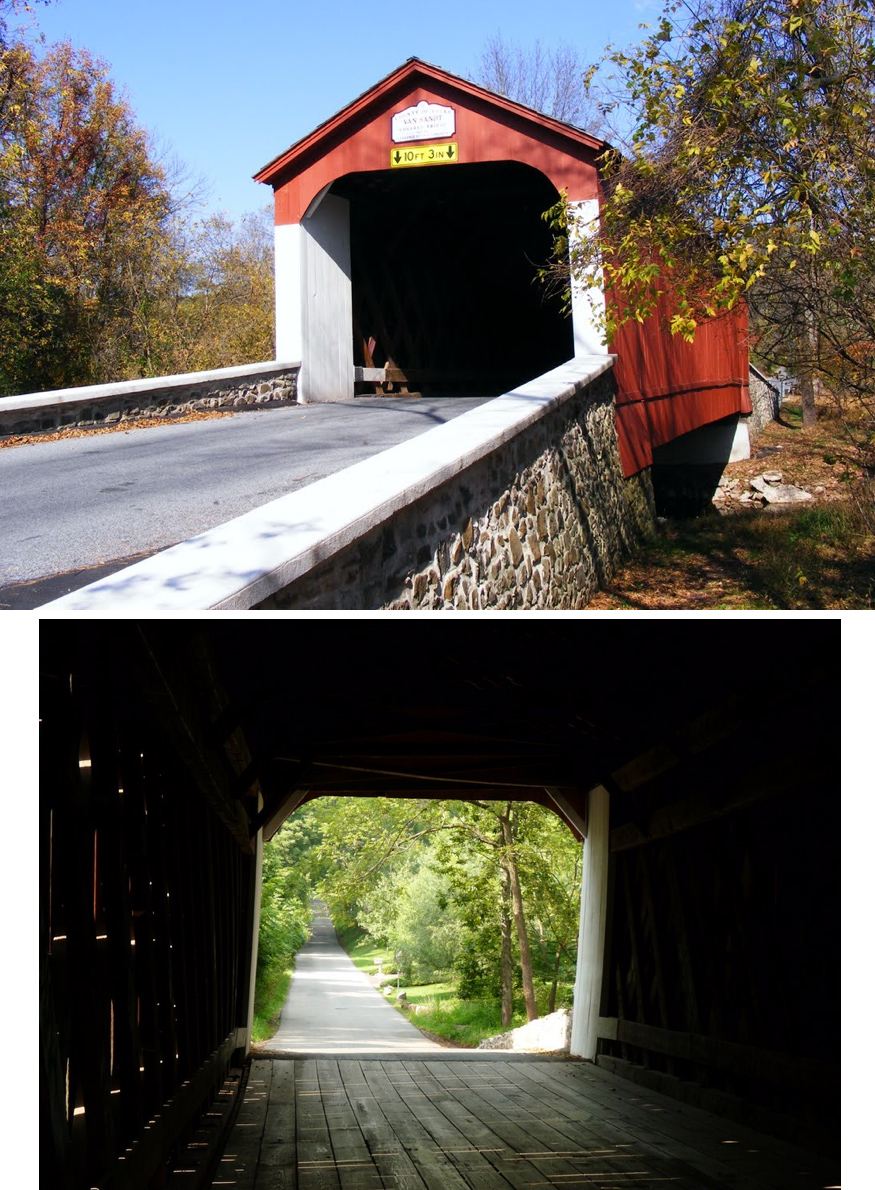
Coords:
437,1009
463,1022
365,952
272,992
802,558
283,931
430,993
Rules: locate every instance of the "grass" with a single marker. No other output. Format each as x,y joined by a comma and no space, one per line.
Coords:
435,1007
273,990
813,556
430,993
795,559
462,1022
365,952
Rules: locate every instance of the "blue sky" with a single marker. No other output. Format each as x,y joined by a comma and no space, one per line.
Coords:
229,86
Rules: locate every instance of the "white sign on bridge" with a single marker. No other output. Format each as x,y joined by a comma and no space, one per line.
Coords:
425,121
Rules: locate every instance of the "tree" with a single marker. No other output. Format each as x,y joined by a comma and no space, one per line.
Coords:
230,304
104,272
14,9
411,909
285,897
360,840
505,863
515,866
548,80
81,201
749,175
478,853
201,298
549,861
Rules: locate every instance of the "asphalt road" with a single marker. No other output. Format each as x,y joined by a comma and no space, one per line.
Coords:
333,1008
80,508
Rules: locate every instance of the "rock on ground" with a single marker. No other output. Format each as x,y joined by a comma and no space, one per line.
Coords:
549,1033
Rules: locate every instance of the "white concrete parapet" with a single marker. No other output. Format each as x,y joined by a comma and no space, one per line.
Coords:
92,393
240,563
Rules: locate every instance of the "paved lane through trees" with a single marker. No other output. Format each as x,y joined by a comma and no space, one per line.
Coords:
332,1007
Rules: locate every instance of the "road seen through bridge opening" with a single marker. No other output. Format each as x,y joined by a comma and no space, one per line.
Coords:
332,1007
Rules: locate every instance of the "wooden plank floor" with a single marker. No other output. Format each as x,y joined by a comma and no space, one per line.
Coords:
489,1124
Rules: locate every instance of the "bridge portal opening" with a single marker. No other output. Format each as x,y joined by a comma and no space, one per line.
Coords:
444,266
479,895
414,217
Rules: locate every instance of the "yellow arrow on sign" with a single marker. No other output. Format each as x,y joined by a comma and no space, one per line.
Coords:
424,155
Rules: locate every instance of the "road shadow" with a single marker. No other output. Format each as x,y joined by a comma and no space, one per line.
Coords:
33,593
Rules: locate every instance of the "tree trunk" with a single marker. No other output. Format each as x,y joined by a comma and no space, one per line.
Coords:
518,914
808,378
555,984
506,956
809,406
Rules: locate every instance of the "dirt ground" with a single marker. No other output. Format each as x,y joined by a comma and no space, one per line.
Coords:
743,556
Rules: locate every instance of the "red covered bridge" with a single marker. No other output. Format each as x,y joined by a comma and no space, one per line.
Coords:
413,218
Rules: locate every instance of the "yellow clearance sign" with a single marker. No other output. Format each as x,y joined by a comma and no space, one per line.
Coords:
423,155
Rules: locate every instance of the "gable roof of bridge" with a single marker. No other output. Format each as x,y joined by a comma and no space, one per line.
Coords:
491,127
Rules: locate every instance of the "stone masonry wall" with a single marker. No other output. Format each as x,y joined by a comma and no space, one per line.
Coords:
543,522
102,407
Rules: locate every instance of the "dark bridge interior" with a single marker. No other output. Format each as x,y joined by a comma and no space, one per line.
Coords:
444,282
167,747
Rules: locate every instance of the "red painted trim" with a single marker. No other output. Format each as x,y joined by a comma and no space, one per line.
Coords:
630,396
488,128
633,434
644,425
397,79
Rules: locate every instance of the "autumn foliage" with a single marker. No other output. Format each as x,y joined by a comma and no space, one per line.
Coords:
106,273
745,172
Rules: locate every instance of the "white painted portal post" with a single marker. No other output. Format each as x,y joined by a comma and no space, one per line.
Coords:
314,300
593,912
587,302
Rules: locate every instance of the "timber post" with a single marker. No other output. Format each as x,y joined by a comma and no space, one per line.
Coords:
255,919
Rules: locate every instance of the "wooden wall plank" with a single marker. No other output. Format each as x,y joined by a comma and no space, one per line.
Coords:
140,933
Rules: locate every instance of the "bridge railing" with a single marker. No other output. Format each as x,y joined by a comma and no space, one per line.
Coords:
248,386
520,502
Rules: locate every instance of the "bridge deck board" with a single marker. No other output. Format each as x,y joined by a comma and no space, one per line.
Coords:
460,1123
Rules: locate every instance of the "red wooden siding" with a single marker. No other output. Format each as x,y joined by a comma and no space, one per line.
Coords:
666,387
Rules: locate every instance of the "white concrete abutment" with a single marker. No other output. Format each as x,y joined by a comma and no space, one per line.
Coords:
314,299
